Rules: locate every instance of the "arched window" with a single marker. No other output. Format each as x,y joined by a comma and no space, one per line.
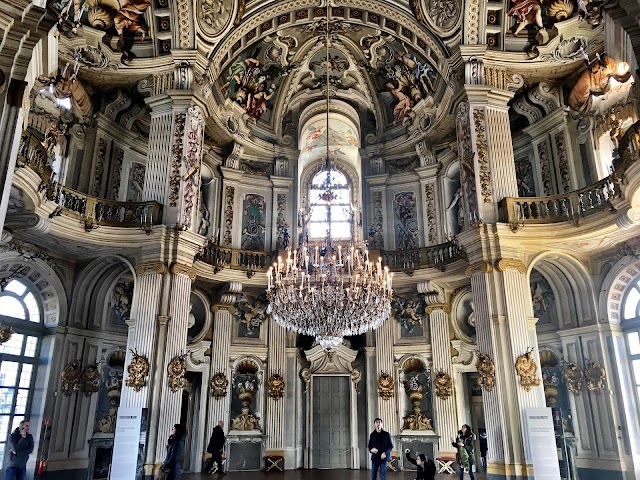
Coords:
330,219
631,323
21,310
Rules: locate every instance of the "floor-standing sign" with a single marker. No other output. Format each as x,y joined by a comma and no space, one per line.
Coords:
542,444
129,442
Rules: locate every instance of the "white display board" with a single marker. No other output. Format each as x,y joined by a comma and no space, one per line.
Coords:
541,439
124,463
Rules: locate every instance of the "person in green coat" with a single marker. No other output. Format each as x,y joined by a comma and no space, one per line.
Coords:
464,445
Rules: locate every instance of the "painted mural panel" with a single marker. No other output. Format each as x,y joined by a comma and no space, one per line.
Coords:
411,315
524,178
343,141
253,222
405,216
336,66
543,300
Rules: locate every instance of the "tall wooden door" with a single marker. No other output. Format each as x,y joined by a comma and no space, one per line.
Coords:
331,423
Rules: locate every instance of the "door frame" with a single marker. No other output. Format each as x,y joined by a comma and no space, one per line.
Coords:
353,424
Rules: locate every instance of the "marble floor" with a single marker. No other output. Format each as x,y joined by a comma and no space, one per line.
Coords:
315,475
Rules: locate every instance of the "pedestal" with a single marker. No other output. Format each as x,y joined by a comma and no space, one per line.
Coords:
100,453
245,451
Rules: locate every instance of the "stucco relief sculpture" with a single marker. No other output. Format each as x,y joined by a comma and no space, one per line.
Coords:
573,377
595,376
219,384
443,384
138,371
527,370
175,372
386,386
596,80
487,371
246,420
276,386
70,378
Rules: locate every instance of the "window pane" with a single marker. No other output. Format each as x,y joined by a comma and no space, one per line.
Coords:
6,399
634,343
339,214
25,376
341,196
341,230
4,426
31,346
318,214
3,446
317,230
11,307
32,306
9,374
636,371
338,178
631,304
21,402
16,287
14,345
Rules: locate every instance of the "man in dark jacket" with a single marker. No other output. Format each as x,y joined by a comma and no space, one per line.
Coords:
426,467
20,447
380,446
216,445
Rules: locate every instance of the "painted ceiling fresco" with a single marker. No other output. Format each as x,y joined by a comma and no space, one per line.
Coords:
343,141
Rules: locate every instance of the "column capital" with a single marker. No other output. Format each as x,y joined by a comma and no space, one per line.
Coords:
151,267
445,307
182,269
505,263
482,266
221,307
488,95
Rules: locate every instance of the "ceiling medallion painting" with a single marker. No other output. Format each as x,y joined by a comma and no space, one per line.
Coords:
442,15
214,16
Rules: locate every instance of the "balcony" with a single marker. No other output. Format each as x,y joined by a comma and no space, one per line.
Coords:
92,211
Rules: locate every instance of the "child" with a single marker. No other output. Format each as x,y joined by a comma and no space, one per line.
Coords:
426,467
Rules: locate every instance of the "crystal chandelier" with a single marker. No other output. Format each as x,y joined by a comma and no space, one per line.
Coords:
328,292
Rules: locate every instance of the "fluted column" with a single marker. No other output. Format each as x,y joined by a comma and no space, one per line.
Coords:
445,408
218,407
504,332
161,132
274,424
387,409
170,402
142,335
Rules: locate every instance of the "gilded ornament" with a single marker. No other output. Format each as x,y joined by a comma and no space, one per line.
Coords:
176,159
505,263
483,159
153,267
175,372
219,384
487,371
5,333
573,378
481,266
70,378
276,386
527,369
90,379
595,376
443,384
416,420
181,269
246,420
138,370
386,386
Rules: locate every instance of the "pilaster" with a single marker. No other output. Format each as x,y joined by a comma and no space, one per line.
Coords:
444,408
387,409
275,414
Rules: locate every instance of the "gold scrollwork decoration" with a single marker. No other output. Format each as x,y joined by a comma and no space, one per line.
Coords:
175,372
70,378
219,384
90,379
595,375
138,370
487,371
481,266
573,376
443,384
527,369
505,263
182,269
5,333
386,386
276,386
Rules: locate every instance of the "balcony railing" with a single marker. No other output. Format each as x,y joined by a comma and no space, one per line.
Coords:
572,206
247,260
628,148
436,256
93,211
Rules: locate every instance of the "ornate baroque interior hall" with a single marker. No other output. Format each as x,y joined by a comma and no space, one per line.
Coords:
295,217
